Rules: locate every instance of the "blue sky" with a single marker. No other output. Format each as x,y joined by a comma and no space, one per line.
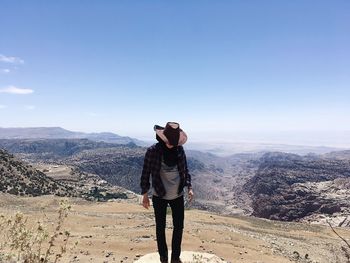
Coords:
217,67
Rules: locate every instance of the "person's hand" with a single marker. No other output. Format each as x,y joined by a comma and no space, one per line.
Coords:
190,195
145,201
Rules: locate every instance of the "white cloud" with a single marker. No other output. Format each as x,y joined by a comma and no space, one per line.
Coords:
15,90
92,114
29,107
2,106
11,60
5,70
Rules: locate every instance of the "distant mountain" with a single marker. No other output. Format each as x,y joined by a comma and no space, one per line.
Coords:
231,148
60,133
22,179
341,155
54,149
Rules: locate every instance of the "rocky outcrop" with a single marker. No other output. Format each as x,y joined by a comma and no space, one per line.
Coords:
186,256
290,187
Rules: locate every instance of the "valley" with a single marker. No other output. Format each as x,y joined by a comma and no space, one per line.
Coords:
274,185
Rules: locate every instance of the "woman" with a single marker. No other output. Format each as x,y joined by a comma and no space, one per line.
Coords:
166,162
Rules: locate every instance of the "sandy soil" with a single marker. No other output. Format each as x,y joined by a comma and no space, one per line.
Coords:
123,231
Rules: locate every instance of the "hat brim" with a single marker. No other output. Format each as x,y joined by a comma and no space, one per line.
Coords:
160,132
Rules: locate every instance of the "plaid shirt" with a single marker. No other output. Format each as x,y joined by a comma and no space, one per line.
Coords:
152,165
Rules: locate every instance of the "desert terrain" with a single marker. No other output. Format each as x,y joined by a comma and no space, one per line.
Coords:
123,231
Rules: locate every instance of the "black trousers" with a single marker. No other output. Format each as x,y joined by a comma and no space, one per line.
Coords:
177,208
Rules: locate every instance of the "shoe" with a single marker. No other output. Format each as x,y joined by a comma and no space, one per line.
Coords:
163,260
176,261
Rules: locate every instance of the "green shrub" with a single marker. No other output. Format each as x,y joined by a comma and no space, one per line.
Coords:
20,242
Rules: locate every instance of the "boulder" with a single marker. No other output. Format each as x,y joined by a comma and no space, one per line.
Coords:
186,257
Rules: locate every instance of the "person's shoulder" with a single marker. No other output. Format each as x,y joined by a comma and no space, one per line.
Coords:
153,148
181,149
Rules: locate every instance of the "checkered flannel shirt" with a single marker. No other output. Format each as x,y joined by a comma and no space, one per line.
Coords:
152,165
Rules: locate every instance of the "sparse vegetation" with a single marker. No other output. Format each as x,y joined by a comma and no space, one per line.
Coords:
345,249
19,178
23,242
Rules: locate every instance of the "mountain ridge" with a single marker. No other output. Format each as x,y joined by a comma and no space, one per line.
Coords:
61,133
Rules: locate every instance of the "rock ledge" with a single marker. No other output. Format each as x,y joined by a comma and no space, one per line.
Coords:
186,257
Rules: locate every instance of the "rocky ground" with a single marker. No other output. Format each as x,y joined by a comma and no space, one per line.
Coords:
332,195
123,231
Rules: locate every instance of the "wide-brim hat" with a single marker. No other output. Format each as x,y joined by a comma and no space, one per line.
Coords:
171,134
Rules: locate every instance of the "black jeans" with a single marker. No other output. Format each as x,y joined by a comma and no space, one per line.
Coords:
160,208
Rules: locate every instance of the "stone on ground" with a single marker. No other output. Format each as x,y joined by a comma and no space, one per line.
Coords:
186,257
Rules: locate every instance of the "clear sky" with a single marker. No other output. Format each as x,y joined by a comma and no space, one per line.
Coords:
217,67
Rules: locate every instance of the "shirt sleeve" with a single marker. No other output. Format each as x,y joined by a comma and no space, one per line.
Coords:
187,174
146,171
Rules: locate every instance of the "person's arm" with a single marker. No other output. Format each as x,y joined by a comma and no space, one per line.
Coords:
145,201
145,176
188,179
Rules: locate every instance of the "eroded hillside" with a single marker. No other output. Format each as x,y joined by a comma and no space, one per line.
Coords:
291,187
19,178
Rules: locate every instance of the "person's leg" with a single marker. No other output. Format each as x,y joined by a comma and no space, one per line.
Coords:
160,207
177,208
